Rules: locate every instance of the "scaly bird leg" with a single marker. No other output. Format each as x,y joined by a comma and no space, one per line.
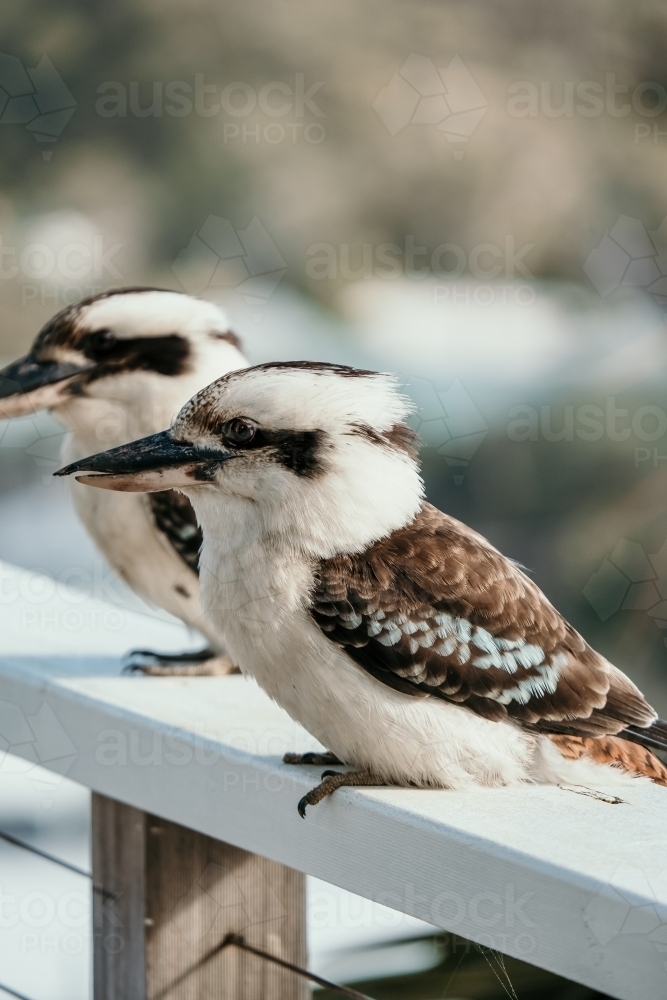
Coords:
319,759
331,780
201,663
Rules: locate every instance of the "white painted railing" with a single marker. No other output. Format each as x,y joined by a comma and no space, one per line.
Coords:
567,882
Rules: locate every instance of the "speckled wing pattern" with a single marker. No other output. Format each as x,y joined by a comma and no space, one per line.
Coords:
174,516
435,610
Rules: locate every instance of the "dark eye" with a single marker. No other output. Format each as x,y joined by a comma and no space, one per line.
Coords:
103,340
240,431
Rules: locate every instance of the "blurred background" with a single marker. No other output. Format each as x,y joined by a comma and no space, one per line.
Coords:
468,194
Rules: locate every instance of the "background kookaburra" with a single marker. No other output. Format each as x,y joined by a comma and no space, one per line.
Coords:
114,368
400,638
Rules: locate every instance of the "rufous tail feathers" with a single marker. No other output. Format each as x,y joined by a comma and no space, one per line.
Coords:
611,750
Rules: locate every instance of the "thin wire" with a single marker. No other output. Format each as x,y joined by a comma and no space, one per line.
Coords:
237,940
230,939
13,993
43,854
345,991
15,842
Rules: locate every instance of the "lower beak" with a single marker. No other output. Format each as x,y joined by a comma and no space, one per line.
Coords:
27,385
151,464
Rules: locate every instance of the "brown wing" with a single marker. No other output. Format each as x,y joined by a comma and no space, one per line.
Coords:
435,610
174,516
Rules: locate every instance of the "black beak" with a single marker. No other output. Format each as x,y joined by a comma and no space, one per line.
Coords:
158,462
28,385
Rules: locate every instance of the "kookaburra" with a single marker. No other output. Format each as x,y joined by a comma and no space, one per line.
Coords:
114,368
401,639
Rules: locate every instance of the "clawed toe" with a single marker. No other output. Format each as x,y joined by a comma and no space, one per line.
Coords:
315,795
201,663
302,806
331,780
311,758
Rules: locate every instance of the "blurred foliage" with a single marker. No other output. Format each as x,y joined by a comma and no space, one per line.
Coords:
556,182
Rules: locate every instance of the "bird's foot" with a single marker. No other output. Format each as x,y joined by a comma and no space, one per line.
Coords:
202,663
319,759
331,780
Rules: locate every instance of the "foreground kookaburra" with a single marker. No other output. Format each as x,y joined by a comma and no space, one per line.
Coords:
114,368
403,640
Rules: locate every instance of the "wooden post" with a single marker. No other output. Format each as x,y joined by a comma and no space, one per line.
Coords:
165,897
119,864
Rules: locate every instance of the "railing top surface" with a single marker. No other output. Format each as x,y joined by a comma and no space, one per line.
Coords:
568,882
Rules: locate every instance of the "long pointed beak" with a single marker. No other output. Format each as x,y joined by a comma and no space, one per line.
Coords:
154,463
28,385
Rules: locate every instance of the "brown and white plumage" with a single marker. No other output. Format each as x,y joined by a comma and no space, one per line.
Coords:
434,609
404,641
112,368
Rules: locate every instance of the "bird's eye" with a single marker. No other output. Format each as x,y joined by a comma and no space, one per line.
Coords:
240,431
103,340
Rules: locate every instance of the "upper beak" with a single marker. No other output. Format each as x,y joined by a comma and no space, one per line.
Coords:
154,463
29,385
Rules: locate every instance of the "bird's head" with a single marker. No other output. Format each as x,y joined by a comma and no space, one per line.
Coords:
135,347
318,453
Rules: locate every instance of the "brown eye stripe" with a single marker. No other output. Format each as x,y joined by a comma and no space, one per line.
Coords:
165,355
298,451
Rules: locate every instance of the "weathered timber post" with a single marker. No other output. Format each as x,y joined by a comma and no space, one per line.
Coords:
164,899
